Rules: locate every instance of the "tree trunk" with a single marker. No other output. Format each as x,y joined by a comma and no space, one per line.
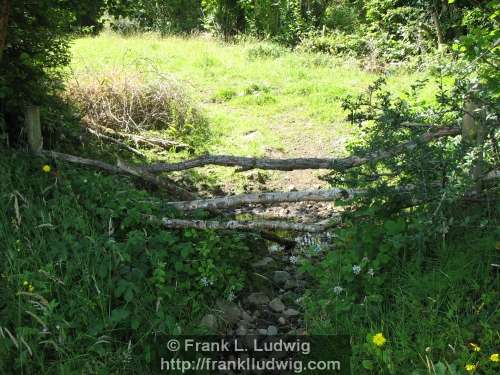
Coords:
4,21
439,30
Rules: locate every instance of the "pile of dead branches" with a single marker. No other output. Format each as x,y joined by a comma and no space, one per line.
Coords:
123,107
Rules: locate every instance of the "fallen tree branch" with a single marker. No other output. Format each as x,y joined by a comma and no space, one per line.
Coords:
267,198
116,141
246,225
122,168
165,183
150,141
300,163
82,161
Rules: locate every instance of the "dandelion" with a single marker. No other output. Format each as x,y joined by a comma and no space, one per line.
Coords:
475,347
338,289
46,168
495,357
356,269
469,367
294,259
379,339
371,272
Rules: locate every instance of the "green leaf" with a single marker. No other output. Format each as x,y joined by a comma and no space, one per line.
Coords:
367,364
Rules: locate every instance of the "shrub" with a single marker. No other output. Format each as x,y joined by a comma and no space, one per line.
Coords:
265,50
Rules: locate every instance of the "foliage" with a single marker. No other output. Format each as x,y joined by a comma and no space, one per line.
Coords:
87,282
413,259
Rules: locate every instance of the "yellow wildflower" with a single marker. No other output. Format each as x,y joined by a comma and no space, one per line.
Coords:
379,339
475,347
31,288
469,367
495,357
46,168
25,283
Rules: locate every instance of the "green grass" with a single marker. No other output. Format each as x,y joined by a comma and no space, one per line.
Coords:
280,103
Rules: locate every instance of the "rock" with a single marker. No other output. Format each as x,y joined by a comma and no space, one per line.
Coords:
277,305
210,321
272,330
264,262
289,313
258,298
241,331
246,317
262,331
281,320
230,311
280,277
290,284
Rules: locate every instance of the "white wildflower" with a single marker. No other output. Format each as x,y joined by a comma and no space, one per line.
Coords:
371,272
231,296
294,259
356,269
205,281
338,289
274,248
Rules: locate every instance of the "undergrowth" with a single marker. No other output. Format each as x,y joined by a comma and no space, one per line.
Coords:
87,281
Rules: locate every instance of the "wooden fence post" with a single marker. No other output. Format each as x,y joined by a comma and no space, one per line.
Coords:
33,128
474,132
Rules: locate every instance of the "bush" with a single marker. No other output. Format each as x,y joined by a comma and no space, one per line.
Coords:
265,51
125,101
335,43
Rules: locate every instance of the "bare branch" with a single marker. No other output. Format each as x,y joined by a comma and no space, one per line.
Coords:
149,141
246,225
116,141
122,168
300,163
268,198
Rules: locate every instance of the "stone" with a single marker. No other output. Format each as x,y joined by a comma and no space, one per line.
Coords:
210,321
280,277
230,311
281,320
241,331
277,305
246,317
264,262
257,298
290,284
262,331
289,313
272,330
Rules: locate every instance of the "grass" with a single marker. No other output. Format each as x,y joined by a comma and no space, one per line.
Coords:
276,103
